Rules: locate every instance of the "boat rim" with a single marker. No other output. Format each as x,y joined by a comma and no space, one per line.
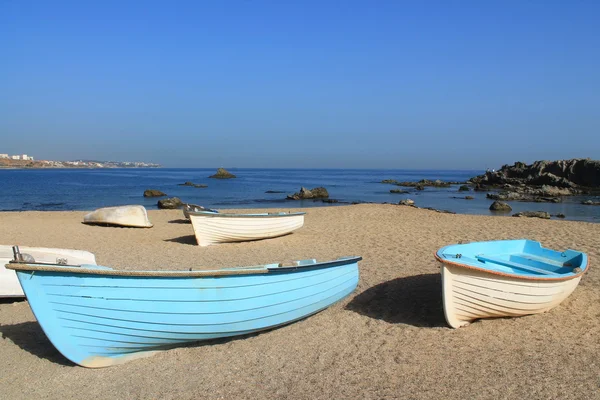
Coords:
231,215
250,270
558,278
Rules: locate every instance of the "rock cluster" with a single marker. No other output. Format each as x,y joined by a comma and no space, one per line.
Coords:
304,193
566,174
222,173
533,214
420,184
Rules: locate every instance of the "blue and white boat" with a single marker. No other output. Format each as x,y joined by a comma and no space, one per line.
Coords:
506,278
98,317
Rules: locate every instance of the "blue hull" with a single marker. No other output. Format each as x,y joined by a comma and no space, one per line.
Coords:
100,319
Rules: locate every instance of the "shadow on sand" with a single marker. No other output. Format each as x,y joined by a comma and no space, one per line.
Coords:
30,337
187,239
180,221
413,300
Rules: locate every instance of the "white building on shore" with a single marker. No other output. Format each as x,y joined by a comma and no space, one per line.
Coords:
24,157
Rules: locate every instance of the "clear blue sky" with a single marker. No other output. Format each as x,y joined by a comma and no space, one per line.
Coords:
340,84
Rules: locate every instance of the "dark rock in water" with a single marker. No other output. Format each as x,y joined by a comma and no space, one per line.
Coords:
566,174
304,193
420,187
480,188
222,173
398,191
464,188
500,206
192,184
469,197
153,193
406,202
421,183
533,214
560,215
171,203
440,211
274,191
329,201
591,203
547,200
524,197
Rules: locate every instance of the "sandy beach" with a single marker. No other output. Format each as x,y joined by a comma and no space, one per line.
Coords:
389,339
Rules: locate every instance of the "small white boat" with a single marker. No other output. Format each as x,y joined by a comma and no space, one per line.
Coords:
9,284
130,216
505,278
212,227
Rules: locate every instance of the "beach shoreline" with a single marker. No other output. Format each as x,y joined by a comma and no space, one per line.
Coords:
388,339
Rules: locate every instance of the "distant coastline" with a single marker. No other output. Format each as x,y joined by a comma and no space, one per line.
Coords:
46,164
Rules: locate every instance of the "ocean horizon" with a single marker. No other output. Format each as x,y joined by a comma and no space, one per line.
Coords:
87,189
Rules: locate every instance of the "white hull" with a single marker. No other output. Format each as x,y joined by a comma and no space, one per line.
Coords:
131,216
211,229
473,294
9,284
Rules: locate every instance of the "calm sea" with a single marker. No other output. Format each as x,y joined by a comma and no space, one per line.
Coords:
87,189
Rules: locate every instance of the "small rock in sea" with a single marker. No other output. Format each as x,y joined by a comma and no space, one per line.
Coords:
591,203
274,191
406,202
304,193
464,188
192,184
533,214
153,193
560,215
329,201
171,203
222,173
420,187
469,197
500,206
398,191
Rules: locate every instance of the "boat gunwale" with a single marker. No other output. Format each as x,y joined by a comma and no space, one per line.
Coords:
233,271
558,278
230,215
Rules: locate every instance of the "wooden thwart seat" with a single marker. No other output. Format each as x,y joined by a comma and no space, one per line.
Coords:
512,264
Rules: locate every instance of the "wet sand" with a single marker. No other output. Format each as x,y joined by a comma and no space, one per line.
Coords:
389,339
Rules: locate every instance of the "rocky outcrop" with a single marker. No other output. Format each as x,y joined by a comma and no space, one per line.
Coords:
463,188
406,202
500,206
398,191
222,173
304,193
533,214
171,203
192,184
569,174
153,193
